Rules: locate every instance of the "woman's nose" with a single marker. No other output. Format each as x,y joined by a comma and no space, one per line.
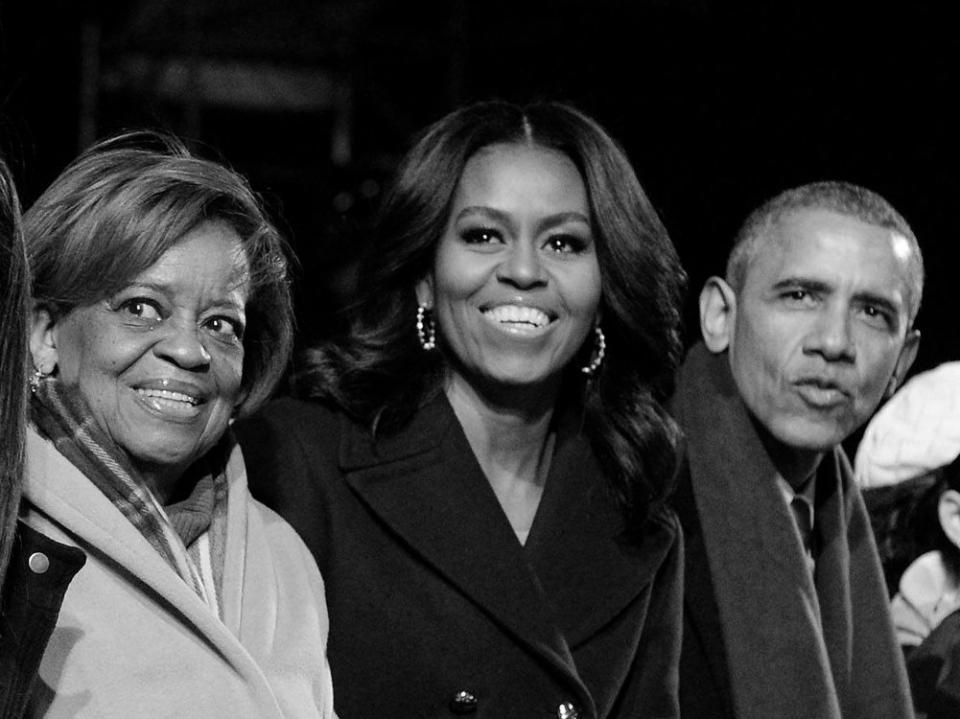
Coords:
182,345
523,266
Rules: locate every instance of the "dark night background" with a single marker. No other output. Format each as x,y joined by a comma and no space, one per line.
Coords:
719,104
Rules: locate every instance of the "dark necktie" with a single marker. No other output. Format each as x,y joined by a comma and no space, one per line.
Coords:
801,516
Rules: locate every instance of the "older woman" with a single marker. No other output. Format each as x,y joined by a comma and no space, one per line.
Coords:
161,311
481,469
34,570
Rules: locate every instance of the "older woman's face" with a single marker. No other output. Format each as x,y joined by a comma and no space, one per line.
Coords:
516,281
160,362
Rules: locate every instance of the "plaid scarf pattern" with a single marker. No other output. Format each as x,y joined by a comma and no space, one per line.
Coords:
63,417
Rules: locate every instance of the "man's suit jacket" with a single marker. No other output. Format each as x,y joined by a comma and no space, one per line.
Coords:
436,608
762,637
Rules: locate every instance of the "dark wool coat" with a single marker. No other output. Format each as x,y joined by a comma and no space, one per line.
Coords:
39,574
435,608
752,648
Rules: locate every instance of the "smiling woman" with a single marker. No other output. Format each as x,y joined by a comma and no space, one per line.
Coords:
516,282
481,463
161,311
160,361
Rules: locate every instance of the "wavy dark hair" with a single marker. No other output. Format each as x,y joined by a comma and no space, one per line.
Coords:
116,209
379,374
14,287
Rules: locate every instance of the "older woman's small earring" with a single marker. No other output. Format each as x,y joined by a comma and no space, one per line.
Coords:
599,350
426,329
36,378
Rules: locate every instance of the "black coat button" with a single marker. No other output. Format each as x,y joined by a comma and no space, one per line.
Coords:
463,702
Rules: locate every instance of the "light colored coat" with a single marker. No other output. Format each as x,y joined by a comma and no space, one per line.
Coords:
133,639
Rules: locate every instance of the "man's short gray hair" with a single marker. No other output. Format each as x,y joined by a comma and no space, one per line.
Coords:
841,197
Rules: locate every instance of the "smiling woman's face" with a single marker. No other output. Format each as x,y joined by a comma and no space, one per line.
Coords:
516,282
160,362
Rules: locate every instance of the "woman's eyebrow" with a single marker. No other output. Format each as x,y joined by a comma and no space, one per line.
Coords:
163,288
562,218
486,211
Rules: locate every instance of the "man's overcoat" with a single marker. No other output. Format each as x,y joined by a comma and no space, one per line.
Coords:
753,646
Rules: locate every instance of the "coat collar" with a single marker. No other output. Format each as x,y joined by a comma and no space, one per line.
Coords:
59,498
60,492
766,599
724,448
572,576
426,431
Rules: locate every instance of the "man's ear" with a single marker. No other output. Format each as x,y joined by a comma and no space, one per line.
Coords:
718,314
907,355
424,291
241,398
43,339
948,510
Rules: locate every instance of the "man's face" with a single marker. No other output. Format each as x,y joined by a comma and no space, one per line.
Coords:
820,325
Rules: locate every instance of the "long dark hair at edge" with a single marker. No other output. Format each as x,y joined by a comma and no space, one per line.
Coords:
380,375
14,284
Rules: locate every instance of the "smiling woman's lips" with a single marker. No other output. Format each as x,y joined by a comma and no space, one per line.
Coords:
170,402
169,395
518,328
521,315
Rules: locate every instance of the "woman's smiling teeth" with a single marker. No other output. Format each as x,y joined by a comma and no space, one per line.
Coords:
163,399
517,316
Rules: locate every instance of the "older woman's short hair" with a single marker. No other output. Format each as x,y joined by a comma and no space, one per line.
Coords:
122,204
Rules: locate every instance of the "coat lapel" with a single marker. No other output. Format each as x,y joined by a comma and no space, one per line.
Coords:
737,481
425,484
59,490
235,543
61,493
766,600
833,569
570,543
699,598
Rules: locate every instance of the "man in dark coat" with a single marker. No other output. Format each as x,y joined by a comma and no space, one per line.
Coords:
785,612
